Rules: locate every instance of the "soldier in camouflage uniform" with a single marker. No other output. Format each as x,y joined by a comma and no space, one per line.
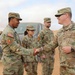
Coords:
12,51
47,58
29,42
65,40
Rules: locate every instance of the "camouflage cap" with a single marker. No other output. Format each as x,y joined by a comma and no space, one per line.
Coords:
63,10
15,15
30,27
47,19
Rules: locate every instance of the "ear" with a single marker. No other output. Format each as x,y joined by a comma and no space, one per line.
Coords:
67,14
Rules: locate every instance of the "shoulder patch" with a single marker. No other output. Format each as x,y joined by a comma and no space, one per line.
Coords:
10,35
9,41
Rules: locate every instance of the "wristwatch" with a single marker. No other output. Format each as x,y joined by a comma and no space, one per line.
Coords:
72,50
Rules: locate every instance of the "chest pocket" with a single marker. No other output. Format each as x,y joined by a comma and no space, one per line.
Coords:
29,44
47,37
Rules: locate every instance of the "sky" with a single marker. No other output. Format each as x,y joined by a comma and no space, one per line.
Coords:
34,10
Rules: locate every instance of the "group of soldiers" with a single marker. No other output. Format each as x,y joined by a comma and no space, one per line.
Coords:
17,56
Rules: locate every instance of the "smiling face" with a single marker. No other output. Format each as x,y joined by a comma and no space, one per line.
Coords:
64,16
30,32
61,18
15,22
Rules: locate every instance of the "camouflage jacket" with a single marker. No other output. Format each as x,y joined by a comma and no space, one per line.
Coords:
44,37
12,50
28,43
64,37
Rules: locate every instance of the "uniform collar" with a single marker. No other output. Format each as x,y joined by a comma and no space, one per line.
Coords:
12,28
65,28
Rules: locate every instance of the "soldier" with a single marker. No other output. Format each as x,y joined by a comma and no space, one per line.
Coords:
12,51
29,42
65,40
0,32
47,58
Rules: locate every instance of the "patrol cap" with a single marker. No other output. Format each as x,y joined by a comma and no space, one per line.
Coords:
47,19
30,27
15,15
62,11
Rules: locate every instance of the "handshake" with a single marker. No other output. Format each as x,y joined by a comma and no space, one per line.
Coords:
36,51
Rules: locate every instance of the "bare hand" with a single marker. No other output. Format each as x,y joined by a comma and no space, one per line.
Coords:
43,56
36,51
25,65
66,49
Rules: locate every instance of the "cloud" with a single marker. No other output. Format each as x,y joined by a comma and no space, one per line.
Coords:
10,3
36,13
5,7
32,13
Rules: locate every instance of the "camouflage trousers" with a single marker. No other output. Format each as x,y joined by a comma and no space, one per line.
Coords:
64,70
31,68
15,68
47,67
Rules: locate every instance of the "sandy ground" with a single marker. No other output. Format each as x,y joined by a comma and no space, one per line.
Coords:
56,66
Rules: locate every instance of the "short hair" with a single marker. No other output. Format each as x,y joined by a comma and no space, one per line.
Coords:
25,32
10,18
70,14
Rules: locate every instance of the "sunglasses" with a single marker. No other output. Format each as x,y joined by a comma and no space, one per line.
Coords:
32,30
48,22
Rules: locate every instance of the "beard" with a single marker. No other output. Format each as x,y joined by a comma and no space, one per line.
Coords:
15,26
47,26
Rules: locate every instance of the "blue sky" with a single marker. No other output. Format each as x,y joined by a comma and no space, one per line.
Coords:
34,10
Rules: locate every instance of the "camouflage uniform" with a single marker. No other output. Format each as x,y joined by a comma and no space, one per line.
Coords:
12,50
65,37
31,63
44,37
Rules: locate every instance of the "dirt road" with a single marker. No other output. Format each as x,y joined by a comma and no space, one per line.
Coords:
56,66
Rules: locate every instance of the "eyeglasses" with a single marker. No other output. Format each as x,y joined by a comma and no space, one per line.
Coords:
48,22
